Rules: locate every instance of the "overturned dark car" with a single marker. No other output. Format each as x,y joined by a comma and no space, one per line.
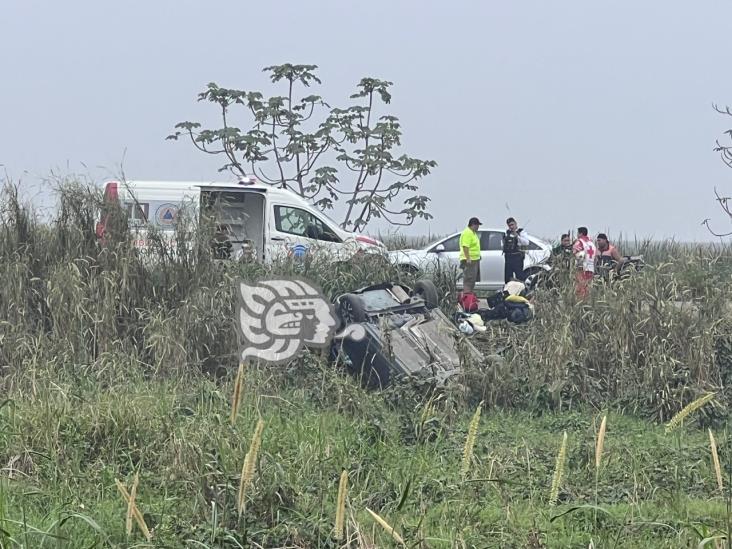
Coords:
407,335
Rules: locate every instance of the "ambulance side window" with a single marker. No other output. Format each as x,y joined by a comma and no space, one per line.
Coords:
300,222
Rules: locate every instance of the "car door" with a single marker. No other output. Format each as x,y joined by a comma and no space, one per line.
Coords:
298,233
445,254
491,261
237,216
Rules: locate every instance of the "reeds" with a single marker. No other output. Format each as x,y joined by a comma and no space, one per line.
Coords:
341,505
687,410
715,461
236,398
247,469
470,442
600,443
66,304
599,446
387,527
131,504
428,410
132,509
558,471
160,305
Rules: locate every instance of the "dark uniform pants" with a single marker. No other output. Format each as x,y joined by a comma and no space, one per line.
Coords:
514,267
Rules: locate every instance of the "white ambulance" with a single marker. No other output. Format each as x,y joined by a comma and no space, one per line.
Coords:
261,222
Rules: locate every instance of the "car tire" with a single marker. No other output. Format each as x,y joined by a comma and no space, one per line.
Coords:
351,309
408,269
427,290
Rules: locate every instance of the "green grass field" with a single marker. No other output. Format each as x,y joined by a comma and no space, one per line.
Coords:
66,439
112,367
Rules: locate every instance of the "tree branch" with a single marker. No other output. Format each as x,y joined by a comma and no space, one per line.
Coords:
709,228
359,180
201,148
367,206
229,151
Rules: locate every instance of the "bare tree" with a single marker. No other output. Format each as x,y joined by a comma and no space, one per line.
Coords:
725,152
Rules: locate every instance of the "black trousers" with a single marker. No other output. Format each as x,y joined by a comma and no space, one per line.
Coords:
514,267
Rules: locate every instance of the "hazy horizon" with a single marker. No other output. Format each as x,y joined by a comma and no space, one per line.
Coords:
560,114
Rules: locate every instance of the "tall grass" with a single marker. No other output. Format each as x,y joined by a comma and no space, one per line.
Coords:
650,343
114,364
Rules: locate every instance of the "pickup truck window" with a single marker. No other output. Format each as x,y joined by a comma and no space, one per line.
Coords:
451,244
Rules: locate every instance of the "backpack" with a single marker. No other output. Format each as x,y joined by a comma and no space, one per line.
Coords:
518,313
514,308
469,302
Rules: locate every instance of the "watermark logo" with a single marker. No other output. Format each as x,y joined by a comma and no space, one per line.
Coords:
277,318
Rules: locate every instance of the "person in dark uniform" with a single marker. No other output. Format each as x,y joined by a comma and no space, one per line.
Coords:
513,253
562,252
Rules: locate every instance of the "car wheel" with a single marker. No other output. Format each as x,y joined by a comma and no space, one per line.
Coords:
408,269
427,290
351,309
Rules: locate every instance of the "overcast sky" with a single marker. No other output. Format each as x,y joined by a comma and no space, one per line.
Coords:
565,112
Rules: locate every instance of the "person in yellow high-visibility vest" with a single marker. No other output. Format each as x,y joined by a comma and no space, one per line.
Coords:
470,255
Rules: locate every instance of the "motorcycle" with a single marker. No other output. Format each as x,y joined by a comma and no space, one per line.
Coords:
606,272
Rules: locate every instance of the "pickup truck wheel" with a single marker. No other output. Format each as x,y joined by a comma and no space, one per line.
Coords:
427,290
351,309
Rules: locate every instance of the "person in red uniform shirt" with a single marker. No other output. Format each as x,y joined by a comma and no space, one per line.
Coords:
608,257
584,252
